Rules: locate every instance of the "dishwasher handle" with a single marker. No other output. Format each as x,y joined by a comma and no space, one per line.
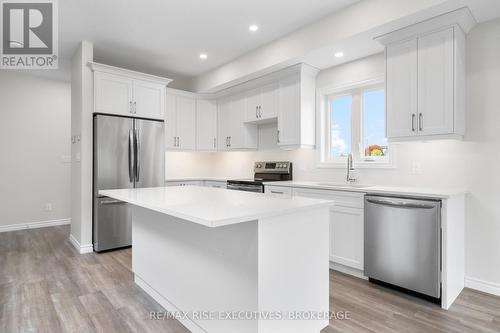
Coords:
401,204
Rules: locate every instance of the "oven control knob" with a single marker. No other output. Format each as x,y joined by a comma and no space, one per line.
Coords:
259,165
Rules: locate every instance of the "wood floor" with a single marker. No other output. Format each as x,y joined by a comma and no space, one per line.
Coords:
46,286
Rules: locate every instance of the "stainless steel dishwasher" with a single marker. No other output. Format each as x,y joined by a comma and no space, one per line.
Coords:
403,244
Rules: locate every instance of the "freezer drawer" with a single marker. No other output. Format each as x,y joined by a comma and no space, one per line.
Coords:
403,243
112,224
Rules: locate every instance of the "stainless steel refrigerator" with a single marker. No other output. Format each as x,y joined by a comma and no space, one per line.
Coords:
128,153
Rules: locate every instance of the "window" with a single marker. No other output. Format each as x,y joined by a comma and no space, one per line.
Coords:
353,121
340,126
373,132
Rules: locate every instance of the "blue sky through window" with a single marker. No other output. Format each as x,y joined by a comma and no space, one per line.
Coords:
341,126
374,118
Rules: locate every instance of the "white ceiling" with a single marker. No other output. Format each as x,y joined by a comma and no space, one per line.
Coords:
165,37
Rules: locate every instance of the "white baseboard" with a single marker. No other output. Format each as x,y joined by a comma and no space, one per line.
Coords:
484,286
347,270
33,225
167,305
82,249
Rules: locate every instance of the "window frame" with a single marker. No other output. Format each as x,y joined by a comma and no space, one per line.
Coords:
324,99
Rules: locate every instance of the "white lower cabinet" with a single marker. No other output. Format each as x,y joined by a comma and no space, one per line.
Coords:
185,183
201,182
346,225
346,236
278,191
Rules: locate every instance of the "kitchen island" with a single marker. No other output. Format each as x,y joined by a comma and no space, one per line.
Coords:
228,261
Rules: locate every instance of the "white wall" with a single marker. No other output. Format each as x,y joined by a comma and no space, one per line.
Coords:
35,147
81,150
470,164
482,153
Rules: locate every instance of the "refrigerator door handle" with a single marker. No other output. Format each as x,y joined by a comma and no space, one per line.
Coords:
137,155
131,156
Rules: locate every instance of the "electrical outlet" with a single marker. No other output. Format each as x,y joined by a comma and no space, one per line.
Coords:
66,159
416,168
48,207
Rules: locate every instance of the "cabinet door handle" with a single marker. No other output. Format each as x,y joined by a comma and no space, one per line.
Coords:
278,136
420,121
178,141
256,112
277,192
260,111
135,107
215,142
130,107
175,142
413,122
229,141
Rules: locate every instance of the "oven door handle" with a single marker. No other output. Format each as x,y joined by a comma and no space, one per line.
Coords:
243,187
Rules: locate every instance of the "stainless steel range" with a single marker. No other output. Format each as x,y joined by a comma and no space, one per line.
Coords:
263,172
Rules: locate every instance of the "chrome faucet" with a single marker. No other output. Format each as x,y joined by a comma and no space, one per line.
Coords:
350,168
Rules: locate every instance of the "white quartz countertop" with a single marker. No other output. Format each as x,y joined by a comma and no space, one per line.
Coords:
376,189
213,207
190,179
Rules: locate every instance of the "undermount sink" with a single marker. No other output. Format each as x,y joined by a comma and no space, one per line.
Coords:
344,185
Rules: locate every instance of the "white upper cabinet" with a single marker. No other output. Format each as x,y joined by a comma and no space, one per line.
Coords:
234,133
269,101
124,92
180,122
436,83
149,99
425,78
261,104
289,112
252,103
113,94
206,125
230,122
297,109
401,89
224,123
425,86
186,123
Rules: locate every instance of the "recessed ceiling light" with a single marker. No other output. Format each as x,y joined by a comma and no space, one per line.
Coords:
253,28
203,56
339,54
